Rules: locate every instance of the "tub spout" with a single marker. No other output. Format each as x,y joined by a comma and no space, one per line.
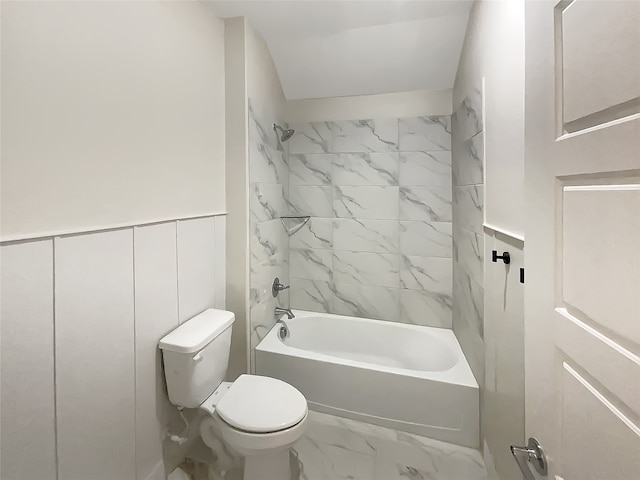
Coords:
279,312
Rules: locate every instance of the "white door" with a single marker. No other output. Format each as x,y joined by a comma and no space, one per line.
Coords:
582,291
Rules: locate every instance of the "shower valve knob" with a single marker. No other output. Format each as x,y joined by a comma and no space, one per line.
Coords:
277,287
505,257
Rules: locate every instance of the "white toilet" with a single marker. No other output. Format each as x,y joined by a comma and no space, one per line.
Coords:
258,417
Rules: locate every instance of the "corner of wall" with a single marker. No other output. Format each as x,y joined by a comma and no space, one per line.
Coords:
236,189
267,182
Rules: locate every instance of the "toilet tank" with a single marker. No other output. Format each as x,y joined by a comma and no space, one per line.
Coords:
196,356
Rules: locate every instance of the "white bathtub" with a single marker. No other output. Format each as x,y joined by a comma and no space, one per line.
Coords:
406,377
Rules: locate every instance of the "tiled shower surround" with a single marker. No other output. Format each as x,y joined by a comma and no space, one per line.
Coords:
468,236
269,242
379,241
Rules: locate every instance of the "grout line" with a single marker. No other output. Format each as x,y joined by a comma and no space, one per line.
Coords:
55,381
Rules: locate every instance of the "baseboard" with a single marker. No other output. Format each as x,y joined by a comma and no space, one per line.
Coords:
492,474
158,472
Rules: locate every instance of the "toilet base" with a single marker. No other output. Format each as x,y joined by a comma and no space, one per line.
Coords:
270,466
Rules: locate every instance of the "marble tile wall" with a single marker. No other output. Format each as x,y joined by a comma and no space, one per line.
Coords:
269,242
468,237
379,241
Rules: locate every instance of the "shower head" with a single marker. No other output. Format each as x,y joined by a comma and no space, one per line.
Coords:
286,134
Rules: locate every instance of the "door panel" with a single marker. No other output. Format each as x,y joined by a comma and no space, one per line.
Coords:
600,240
592,57
582,296
598,440
607,361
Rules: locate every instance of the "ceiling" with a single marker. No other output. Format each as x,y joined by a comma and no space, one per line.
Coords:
329,48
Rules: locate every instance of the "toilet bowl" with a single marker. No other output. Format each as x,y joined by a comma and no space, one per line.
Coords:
258,417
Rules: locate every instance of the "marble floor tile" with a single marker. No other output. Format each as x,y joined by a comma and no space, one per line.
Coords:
452,462
323,430
404,463
334,448
324,461
391,470
408,458
336,427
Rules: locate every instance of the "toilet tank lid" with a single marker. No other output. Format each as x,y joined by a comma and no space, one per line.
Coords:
194,334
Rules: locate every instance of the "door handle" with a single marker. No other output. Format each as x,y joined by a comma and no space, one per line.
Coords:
532,453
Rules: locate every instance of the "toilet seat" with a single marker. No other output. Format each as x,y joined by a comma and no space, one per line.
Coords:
258,404
248,443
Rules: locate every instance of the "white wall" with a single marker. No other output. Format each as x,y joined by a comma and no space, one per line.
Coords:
502,415
263,83
494,50
402,104
112,114
81,318
237,181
